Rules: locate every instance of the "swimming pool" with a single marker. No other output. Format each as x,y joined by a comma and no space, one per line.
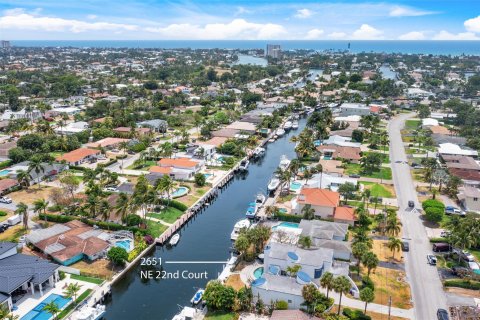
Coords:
208,175
125,244
295,186
286,225
181,191
38,313
258,272
4,172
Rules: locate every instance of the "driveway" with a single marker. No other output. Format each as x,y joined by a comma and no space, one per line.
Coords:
427,290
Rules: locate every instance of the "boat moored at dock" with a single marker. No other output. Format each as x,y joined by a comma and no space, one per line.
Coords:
240,225
174,240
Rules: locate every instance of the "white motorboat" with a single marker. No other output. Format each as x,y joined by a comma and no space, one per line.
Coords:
295,125
197,297
251,210
189,313
280,132
242,224
259,152
260,200
244,165
90,313
284,162
273,184
174,239
287,125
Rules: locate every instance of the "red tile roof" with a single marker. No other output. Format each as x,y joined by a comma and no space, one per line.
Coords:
162,170
77,155
344,213
6,184
177,162
319,197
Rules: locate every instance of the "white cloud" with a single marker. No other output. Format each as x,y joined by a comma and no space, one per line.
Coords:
414,35
20,20
314,34
367,32
473,25
398,11
303,13
337,35
445,35
242,10
236,29
92,17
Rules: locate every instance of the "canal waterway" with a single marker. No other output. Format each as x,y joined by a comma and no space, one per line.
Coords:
205,238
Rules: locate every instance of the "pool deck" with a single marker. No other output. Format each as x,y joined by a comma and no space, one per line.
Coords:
29,301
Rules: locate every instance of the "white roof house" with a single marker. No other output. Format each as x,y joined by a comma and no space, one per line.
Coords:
454,149
326,181
72,128
341,141
429,122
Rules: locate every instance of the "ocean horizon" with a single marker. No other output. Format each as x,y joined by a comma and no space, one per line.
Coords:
356,46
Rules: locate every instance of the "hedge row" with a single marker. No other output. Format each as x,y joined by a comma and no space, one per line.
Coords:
106,164
288,217
465,284
174,204
438,240
101,224
5,164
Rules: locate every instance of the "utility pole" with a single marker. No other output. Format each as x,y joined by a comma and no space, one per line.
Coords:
389,306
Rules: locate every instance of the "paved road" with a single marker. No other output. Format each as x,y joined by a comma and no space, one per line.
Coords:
424,280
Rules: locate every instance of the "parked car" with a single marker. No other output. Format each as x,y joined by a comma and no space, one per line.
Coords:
5,200
453,210
442,314
111,189
356,176
445,234
411,204
467,256
432,260
441,247
405,246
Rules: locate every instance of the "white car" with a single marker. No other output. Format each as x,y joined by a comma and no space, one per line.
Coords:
5,200
432,260
111,189
445,234
468,256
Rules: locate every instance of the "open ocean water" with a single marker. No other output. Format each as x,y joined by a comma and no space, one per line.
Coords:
392,46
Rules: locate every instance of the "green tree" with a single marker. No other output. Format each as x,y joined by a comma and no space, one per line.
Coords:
394,244
117,256
358,250
72,291
305,242
200,179
370,261
242,244
40,206
326,281
308,212
293,270
393,226
218,296
52,308
342,286
346,190
367,295
22,210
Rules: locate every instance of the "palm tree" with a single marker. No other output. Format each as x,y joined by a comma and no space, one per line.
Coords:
40,205
36,165
370,261
358,250
271,211
305,241
367,295
23,178
326,281
394,244
342,286
72,290
308,212
122,204
22,210
366,196
393,226
310,294
242,244
284,176
293,270
166,185
52,308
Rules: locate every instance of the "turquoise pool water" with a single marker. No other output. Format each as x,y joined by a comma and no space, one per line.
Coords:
295,186
287,225
208,175
125,244
38,313
258,272
4,172
181,191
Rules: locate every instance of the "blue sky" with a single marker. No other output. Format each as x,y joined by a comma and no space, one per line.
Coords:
239,20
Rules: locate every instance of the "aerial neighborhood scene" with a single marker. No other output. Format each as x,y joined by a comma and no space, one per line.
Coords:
239,161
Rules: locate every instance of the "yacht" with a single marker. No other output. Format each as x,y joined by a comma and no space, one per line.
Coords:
242,224
273,184
197,297
280,132
90,313
174,239
287,125
252,210
259,152
260,199
244,165
189,313
284,162
295,125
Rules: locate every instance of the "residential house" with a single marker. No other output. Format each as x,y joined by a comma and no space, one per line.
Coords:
323,201
20,272
351,109
47,170
107,143
72,128
156,125
331,182
6,147
176,168
352,154
470,198
291,315
79,156
22,114
7,185
453,149
242,127
429,122
127,131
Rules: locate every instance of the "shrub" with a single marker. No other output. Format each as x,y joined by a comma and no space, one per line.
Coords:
62,275
438,240
434,214
281,305
288,217
433,204
117,255
465,284
200,179
132,220
368,283
174,204
355,314
3,213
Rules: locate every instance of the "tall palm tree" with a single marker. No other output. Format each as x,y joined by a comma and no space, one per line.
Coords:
72,291
342,286
394,244
326,281
370,261
308,212
22,210
122,204
40,206
393,226
52,308
37,166
366,196
367,295
23,178
166,185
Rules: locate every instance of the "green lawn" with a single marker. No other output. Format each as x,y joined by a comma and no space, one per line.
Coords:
412,124
169,215
86,279
385,157
156,229
146,165
377,190
219,315
475,253
354,168
70,308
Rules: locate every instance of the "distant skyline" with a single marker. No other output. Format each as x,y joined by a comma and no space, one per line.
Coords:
239,20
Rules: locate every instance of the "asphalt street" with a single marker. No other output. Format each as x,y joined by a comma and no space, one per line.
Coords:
426,287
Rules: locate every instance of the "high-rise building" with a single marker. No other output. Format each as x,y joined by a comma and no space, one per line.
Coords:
273,51
5,44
